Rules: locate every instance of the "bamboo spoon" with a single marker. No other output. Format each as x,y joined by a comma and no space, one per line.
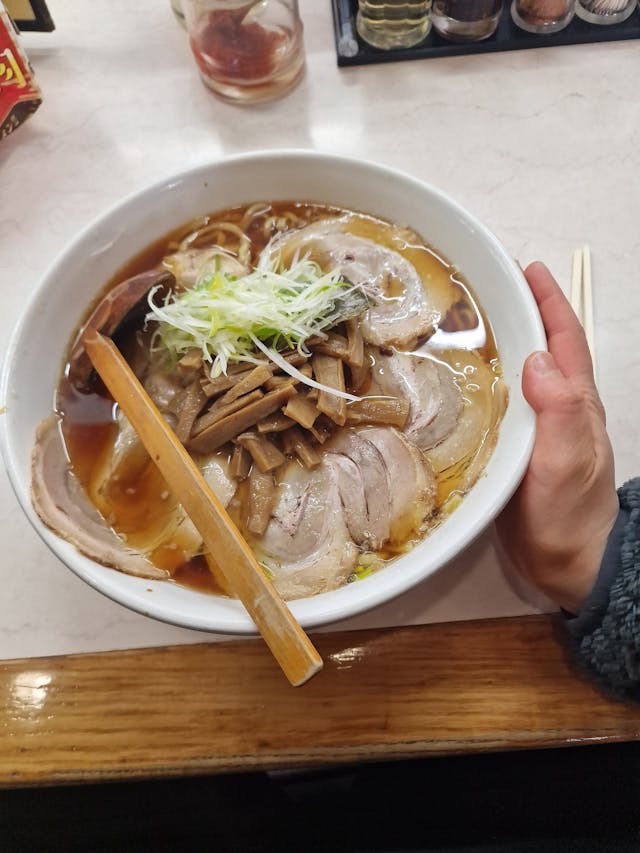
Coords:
289,644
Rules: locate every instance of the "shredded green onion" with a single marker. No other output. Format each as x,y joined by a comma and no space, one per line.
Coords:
270,575
362,572
223,316
368,563
231,319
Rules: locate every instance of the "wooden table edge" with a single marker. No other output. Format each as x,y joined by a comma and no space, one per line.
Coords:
407,692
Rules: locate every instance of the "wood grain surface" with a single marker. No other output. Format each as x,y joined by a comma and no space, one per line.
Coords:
414,691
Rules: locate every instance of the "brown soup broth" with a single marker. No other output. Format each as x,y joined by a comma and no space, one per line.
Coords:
88,420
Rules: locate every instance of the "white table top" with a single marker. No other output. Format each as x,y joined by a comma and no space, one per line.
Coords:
542,145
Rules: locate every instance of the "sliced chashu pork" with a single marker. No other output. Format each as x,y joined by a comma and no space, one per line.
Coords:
189,265
470,444
306,545
402,312
372,487
63,506
386,486
432,390
364,487
456,402
412,483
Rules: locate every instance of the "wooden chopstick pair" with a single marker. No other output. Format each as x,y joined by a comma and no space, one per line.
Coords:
289,644
582,296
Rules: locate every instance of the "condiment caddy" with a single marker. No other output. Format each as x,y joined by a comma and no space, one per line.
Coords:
353,50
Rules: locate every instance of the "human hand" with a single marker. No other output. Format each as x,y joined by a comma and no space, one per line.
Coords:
555,528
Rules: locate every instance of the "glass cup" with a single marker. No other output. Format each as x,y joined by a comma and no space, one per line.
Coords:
389,24
466,20
247,51
542,16
605,11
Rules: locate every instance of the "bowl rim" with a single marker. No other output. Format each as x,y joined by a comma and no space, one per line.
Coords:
329,607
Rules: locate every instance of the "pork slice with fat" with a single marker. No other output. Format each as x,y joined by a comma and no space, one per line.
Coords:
412,482
307,546
431,388
364,487
402,312
189,265
62,505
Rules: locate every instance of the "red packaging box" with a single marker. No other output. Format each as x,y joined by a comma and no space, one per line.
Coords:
19,92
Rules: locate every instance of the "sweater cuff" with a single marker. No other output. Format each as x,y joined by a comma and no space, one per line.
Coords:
593,610
606,634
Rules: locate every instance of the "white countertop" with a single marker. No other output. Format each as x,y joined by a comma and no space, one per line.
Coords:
542,145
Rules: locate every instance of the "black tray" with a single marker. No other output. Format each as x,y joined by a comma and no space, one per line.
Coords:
507,37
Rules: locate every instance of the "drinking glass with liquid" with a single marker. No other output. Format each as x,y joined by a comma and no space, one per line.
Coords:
542,16
246,50
389,24
466,20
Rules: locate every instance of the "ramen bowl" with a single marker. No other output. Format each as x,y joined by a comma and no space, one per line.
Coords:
35,356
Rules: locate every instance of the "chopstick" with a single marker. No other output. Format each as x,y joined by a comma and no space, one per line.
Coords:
289,644
582,295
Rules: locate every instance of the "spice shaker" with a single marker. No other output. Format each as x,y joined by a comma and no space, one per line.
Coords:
466,20
605,11
542,16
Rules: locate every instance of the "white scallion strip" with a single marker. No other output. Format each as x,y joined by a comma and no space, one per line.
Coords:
283,364
268,309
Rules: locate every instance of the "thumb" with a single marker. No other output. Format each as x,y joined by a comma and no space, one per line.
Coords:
559,406
542,381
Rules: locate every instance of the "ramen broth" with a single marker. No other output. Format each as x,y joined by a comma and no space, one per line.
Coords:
139,499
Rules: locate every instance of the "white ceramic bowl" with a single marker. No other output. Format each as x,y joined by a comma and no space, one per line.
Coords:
34,358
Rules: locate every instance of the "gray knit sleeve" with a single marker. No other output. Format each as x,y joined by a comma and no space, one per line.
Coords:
606,633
